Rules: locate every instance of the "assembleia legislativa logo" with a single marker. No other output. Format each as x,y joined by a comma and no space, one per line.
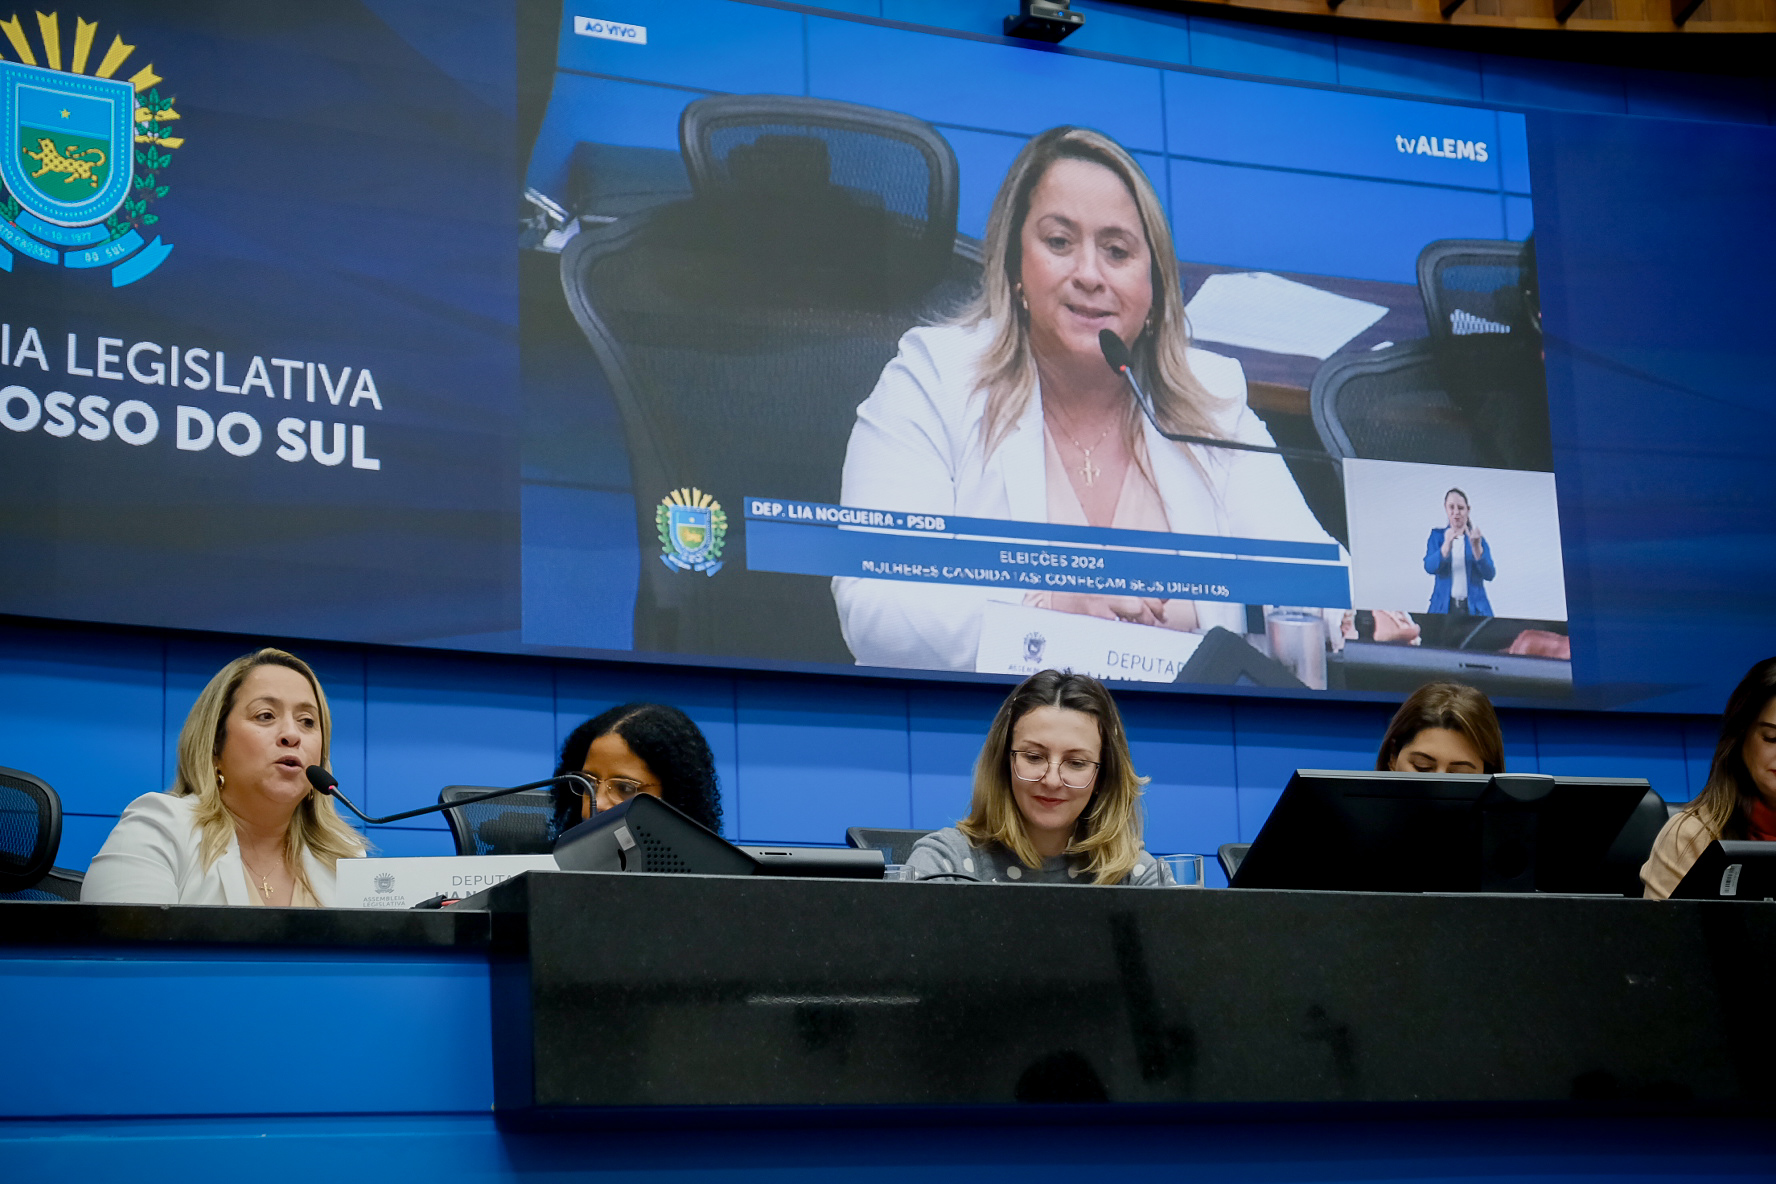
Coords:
86,151
692,530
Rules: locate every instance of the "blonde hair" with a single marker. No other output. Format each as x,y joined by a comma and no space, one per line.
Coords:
1108,833
315,826
1181,403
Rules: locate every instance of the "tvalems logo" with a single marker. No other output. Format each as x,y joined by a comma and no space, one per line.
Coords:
85,152
1449,149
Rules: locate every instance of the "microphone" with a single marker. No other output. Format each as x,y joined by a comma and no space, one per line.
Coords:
1117,356
325,782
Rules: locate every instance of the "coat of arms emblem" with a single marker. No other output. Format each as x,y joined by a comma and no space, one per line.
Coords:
692,530
82,151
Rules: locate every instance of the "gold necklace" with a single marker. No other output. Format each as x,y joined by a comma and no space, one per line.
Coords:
264,880
1087,470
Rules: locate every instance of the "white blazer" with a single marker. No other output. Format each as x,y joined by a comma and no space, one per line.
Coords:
916,447
153,856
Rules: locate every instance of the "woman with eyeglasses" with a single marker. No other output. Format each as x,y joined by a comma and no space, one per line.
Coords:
638,748
1056,798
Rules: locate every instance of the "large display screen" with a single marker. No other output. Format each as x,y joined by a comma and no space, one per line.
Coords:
820,342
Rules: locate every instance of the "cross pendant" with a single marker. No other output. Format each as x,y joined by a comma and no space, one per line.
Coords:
1089,471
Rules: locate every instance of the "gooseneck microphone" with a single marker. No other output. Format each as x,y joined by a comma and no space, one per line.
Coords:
325,782
1117,356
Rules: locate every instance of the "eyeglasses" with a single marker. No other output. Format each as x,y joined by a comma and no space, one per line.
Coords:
620,789
1076,772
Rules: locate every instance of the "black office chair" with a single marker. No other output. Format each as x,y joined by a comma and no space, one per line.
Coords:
895,845
1480,305
518,824
1390,404
1633,844
740,328
1231,856
30,836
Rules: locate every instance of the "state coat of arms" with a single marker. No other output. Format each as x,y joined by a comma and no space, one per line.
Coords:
692,529
82,151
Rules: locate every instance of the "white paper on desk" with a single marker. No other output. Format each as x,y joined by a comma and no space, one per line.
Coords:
1018,639
403,881
1258,310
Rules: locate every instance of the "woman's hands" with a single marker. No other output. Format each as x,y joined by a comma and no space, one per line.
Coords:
1469,531
1133,610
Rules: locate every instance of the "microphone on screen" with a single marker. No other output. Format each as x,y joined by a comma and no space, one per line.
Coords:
324,782
1118,358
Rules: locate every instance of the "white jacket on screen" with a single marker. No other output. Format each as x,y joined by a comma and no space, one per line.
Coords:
153,856
916,447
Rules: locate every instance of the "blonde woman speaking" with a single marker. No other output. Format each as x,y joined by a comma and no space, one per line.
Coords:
1010,412
241,824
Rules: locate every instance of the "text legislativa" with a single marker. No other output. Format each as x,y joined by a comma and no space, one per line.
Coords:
192,368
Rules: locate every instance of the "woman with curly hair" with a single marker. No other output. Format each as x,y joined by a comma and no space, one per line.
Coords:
639,748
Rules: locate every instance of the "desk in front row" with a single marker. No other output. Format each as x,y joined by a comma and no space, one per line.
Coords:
682,1027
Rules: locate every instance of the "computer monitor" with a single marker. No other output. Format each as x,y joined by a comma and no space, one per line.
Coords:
644,834
1731,869
1457,832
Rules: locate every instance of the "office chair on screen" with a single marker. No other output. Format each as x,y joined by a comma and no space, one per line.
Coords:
30,836
520,824
1480,299
740,328
1389,404
895,845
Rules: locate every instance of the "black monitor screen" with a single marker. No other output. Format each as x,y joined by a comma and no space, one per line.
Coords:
1454,832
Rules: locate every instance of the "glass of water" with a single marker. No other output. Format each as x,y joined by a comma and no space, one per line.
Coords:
1186,870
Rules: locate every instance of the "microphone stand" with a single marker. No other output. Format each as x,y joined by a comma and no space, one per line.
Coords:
326,783
1116,355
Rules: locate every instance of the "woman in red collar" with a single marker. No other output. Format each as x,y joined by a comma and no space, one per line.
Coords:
1739,801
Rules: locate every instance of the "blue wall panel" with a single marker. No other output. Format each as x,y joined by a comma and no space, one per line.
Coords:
82,836
1273,739
1186,747
1670,95
83,712
415,1036
946,724
983,159
1617,747
816,757
1334,225
1562,86
435,720
1274,53
1298,128
1444,74
1522,750
603,111
1130,32
939,79
581,567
